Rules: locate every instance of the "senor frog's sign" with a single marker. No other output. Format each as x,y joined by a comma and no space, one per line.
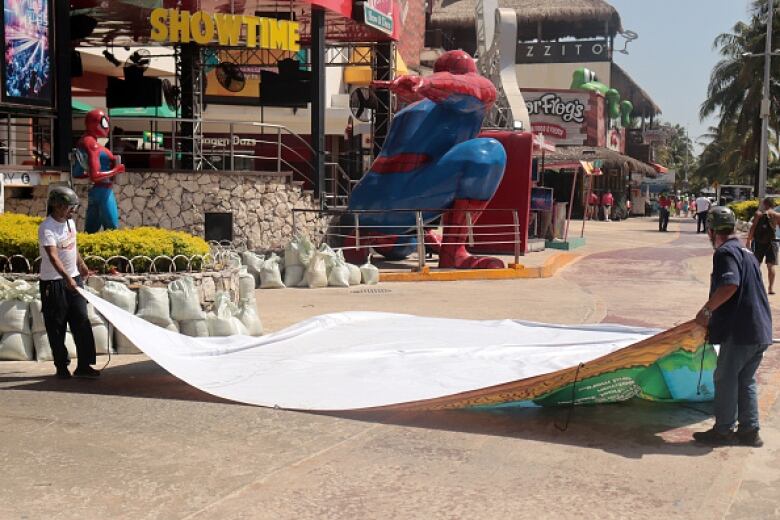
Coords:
231,30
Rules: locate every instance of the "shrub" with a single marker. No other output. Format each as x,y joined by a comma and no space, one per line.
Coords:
19,235
747,208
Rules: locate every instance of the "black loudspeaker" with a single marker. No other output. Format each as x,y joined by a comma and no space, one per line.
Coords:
219,226
76,68
291,87
141,92
81,26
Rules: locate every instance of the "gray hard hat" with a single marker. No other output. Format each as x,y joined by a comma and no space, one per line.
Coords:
62,195
721,218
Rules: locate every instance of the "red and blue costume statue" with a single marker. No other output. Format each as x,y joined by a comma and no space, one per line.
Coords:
95,161
432,160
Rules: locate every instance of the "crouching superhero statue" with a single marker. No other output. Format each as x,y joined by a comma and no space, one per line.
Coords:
433,161
95,161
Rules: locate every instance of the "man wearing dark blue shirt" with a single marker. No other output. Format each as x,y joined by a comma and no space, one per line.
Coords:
738,318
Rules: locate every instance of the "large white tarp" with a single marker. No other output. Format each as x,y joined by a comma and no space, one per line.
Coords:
353,360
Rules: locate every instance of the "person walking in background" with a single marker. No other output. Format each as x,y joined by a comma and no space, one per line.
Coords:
686,206
607,201
663,212
593,205
702,207
679,206
62,272
738,318
762,238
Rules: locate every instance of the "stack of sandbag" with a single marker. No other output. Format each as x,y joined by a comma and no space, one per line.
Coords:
124,298
16,342
369,273
306,266
186,309
247,313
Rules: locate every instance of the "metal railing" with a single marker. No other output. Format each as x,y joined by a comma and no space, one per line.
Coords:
26,140
349,231
155,142
338,186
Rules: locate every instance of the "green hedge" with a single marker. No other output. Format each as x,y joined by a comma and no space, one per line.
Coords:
19,235
746,209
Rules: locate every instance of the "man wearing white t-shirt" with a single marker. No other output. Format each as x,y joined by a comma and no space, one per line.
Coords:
62,272
702,208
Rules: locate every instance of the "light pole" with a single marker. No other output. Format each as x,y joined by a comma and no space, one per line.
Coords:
765,105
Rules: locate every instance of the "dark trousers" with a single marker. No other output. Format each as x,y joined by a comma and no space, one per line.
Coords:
701,222
61,308
663,219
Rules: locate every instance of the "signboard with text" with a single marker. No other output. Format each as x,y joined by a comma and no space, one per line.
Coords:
560,116
379,15
21,179
577,51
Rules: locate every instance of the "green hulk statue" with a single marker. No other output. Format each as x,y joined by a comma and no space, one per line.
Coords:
585,79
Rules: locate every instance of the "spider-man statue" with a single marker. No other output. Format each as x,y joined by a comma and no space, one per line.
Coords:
432,160
98,163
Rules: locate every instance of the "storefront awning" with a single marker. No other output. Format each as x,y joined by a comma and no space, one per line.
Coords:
569,157
659,168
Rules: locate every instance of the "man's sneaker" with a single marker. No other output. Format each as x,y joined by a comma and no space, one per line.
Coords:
749,438
86,372
63,373
713,437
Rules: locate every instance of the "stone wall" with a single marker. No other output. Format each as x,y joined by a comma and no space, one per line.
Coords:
261,204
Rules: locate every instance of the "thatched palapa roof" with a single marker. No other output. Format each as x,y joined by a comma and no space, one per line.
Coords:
644,106
611,158
558,18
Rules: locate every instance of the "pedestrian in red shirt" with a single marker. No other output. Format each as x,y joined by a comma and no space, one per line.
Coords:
607,200
593,205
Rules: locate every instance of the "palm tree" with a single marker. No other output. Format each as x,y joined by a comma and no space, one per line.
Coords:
735,91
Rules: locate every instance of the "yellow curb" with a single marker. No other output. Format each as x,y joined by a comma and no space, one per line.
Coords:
514,271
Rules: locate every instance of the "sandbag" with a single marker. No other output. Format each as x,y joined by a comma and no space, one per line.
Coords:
316,272
184,300
18,290
14,316
338,275
194,328
100,333
16,346
247,314
120,295
270,274
36,313
253,263
354,274
223,321
293,275
369,273
172,326
154,305
246,285
122,345
292,253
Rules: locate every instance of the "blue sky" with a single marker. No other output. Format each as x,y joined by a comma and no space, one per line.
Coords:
673,56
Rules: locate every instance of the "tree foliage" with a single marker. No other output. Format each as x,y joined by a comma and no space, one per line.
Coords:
734,96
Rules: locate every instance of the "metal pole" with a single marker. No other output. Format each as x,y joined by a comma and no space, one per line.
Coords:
469,230
63,133
357,231
420,242
232,151
765,105
318,100
516,220
587,203
278,150
571,204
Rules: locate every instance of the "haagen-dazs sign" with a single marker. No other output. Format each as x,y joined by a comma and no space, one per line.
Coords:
560,116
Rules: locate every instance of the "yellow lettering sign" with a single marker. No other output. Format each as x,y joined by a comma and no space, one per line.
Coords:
159,29
177,26
228,28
